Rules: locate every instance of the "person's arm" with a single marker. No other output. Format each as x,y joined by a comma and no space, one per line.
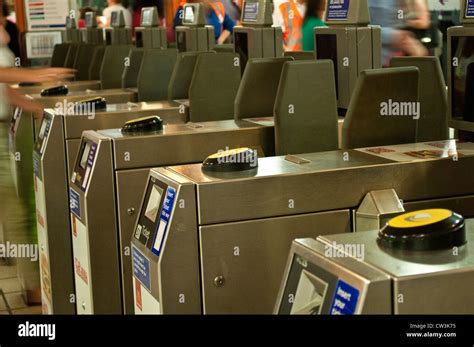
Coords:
15,75
228,29
19,100
423,20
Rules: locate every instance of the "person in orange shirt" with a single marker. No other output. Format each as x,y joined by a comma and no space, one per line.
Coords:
289,14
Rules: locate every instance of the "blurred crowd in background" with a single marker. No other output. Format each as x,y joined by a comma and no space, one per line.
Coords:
403,21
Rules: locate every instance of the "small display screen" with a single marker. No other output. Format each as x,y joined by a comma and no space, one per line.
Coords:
85,155
43,128
69,22
90,18
469,9
326,48
146,17
153,203
250,12
115,18
463,78
188,15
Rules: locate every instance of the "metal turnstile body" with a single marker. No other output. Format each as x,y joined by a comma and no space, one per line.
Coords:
73,86
324,276
108,179
231,239
53,159
25,128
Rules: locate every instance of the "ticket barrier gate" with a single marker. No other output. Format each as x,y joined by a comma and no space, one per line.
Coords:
53,159
194,34
47,172
235,255
255,37
225,240
350,42
63,53
106,184
432,96
129,181
374,272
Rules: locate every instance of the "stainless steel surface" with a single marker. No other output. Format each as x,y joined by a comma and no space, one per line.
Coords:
54,236
103,284
372,284
56,164
188,142
72,86
170,113
422,281
113,96
251,256
376,209
333,180
130,158
242,211
129,185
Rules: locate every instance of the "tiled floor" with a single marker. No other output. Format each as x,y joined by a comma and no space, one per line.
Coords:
11,287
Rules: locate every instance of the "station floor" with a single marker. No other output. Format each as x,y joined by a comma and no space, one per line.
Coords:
14,228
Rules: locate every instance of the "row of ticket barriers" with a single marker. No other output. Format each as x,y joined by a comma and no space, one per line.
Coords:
183,189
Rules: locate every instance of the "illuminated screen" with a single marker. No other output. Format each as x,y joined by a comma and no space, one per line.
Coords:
90,19
146,17
250,12
463,78
188,15
153,203
85,155
326,48
469,9
114,19
43,128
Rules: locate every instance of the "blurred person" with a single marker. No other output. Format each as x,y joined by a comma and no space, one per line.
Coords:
82,16
116,6
12,30
396,17
314,18
232,8
289,14
215,16
10,74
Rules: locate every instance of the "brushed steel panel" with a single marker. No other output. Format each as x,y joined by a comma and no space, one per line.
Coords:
327,183
188,143
130,185
116,115
56,219
252,278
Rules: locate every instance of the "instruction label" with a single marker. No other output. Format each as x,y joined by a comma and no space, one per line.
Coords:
338,10
345,299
